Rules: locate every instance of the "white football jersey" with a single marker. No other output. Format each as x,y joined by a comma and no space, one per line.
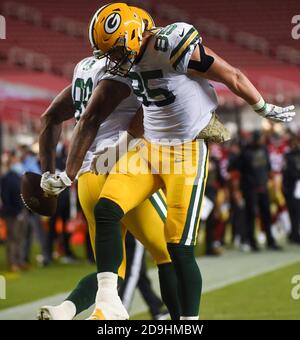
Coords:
87,75
176,105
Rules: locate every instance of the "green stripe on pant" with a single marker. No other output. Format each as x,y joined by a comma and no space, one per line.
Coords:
195,201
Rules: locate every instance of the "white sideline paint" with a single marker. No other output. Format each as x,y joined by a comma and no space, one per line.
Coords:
217,273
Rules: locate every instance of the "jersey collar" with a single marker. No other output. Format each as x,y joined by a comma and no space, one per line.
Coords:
139,58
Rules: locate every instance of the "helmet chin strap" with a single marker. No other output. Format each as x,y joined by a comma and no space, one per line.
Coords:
98,54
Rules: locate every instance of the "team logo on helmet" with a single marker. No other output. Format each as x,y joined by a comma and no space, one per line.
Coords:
112,23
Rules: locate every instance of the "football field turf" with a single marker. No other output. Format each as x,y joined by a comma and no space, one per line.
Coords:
236,286
38,282
264,297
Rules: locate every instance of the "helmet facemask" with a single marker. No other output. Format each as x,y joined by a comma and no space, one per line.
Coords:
120,60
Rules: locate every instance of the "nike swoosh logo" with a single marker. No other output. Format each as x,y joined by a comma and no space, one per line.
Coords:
182,34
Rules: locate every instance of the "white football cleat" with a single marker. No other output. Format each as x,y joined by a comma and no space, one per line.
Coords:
108,306
64,311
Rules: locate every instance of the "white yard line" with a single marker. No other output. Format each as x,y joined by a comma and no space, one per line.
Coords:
216,272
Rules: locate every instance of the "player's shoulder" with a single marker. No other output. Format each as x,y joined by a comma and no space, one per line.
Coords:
177,40
89,63
178,32
90,68
177,29
83,61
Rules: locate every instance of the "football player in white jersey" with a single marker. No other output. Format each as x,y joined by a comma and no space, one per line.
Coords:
169,68
90,76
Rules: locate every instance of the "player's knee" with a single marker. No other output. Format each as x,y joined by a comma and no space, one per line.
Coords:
107,210
180,253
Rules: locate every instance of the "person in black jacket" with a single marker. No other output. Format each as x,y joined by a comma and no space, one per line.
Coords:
13,212
254,165
291,187
237,202
214,183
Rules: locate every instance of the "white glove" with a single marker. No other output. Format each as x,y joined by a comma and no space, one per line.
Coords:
104,160
275,113
54,184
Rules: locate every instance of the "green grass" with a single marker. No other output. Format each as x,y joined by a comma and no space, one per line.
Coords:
264,297
38,282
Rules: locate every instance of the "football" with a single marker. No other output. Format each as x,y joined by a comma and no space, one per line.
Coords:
34,198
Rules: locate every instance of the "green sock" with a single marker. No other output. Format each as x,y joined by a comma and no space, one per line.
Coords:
83,296
109,248
169,289
188,276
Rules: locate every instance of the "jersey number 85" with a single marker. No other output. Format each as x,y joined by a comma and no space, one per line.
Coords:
140,83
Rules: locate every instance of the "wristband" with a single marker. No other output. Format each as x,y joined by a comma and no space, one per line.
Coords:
260,106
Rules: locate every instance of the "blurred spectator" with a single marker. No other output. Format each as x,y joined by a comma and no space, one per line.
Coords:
34,224
29,160
277,147
61,156
291,187
33,227
13,212
213,187
254,164
237,202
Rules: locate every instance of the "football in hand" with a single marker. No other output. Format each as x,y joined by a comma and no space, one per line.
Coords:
33,196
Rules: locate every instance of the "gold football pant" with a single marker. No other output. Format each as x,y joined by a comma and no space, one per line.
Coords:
145,222
181,170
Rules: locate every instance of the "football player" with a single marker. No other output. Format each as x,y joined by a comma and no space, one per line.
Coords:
169,68
146,222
